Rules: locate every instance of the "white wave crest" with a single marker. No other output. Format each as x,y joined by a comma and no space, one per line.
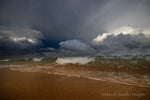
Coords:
37,59
5,60
75,60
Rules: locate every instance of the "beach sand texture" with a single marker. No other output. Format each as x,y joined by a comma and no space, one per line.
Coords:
15,85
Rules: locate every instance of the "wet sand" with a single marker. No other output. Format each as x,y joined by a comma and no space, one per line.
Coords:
15,85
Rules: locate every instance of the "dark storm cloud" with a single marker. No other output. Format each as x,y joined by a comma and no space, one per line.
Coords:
124,44
63,20
71,48
76,48
52,17
18,41
69,19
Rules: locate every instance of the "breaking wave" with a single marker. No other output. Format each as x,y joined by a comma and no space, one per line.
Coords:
5,60
37,59
75,60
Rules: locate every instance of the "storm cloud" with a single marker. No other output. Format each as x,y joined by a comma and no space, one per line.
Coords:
76,48
19,41
74,27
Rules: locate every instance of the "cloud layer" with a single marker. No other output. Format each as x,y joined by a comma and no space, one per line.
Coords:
73,48
19,41
125,30
123,40
73,27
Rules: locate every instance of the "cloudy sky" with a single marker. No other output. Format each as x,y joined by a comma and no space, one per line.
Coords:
50,28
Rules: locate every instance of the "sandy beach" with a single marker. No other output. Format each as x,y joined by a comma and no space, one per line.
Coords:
74,49
15,85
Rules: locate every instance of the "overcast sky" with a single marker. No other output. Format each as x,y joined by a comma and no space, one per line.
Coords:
73,27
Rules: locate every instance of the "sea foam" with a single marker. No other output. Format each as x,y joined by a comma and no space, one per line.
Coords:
37,59
75,60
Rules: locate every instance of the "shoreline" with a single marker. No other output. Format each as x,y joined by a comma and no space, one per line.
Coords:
106,76
15,85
